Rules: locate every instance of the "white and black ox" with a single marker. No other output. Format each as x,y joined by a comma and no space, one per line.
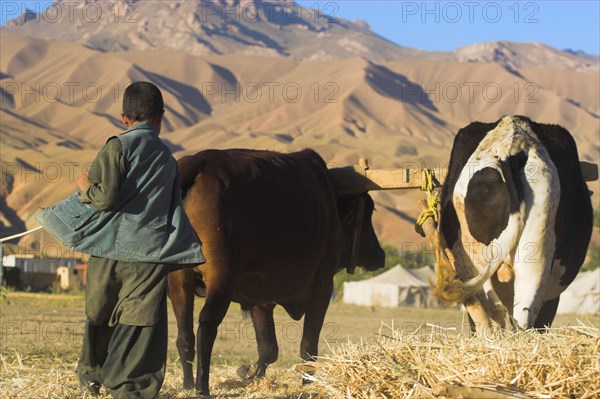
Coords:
516,221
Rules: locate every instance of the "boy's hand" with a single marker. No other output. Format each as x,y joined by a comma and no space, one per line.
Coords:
83,183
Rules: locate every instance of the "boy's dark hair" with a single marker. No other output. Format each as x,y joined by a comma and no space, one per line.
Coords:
142,101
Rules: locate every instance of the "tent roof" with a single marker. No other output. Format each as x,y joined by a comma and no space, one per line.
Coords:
401,276
585,282
583,295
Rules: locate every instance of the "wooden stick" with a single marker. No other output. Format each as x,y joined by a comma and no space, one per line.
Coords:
21,234
477,392
355,179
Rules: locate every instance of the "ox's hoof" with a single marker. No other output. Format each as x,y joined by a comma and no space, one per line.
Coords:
250,371
200,395
307,378
306,381
307,369
188,384
202,392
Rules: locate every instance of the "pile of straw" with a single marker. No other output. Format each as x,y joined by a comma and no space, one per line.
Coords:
561,363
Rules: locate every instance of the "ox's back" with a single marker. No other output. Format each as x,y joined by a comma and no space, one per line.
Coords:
273,214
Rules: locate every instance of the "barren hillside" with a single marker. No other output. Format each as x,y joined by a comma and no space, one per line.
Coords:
61,97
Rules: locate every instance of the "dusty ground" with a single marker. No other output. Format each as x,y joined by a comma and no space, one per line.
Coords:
40,338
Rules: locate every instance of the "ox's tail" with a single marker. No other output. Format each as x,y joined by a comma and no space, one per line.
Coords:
188,170
448,286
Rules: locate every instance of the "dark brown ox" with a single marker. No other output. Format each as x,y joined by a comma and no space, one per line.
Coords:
274,233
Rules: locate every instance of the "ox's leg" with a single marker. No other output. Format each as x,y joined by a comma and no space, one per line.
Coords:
482,315
314,317
266,341
181,292
505,291
546,314
218,298
532,271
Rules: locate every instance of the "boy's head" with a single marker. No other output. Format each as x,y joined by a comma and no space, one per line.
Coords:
142,101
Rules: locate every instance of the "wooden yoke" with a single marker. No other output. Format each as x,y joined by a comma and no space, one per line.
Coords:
358,179
355,179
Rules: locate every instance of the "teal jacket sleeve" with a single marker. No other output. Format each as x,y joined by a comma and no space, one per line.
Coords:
105,176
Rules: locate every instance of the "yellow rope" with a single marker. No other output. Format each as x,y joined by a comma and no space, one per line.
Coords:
427,184
427,177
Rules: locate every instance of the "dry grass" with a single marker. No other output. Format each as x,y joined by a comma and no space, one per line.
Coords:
562,363
40,339
33,378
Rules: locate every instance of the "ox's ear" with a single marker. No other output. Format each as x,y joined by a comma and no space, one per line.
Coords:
351,209
344,206
348,206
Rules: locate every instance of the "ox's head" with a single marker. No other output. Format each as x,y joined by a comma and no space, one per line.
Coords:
360,246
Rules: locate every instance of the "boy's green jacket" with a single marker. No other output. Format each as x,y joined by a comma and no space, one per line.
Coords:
148,224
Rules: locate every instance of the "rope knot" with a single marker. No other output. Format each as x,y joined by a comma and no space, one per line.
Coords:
428,181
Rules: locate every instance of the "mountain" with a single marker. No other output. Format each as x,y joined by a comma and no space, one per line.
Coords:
267,82
27,16
256,27
526,55
398,114
581,53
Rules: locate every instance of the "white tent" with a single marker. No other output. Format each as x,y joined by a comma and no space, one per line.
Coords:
396,287
583,295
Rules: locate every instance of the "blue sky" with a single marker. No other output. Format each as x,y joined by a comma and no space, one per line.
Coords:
446,25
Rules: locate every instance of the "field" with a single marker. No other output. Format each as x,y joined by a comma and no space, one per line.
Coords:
41,337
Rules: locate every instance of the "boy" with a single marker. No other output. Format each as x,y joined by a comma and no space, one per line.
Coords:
129,217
